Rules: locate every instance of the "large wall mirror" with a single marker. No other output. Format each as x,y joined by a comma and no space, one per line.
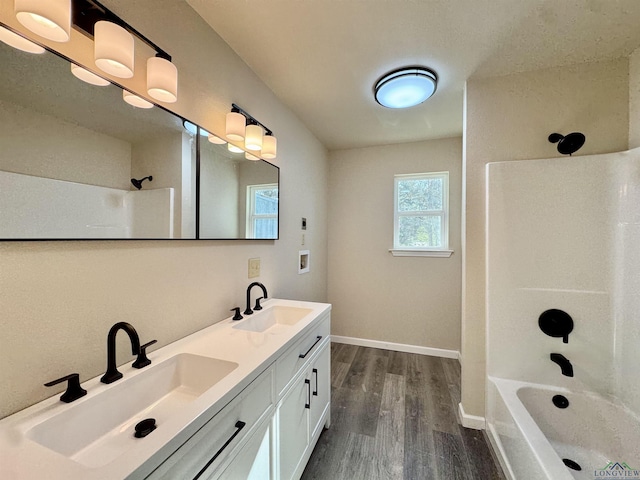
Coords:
70,150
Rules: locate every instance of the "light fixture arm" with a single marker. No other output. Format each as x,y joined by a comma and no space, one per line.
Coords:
250,119
87,12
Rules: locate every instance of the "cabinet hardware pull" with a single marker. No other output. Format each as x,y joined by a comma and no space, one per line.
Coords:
308,382
303,355
239,426
315,392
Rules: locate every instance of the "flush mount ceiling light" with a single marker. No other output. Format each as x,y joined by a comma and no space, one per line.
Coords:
405,87
48,18
87,76
135,100
16,41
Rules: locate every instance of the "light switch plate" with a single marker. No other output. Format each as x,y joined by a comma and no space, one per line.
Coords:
254,267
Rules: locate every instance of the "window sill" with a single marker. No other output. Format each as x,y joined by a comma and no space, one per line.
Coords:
407,252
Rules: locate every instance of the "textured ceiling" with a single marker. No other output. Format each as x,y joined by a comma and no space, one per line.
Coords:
322,57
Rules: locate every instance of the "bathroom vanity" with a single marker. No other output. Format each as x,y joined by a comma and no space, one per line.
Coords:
240,399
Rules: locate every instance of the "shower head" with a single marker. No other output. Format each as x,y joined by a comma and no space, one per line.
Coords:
568,144
138,183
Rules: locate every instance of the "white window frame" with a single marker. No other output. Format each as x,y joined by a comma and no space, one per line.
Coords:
401,251
251,206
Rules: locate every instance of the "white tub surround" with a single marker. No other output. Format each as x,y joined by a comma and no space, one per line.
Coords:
253,366
563,234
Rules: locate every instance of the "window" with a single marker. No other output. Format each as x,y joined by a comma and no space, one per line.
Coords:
421,215
262,211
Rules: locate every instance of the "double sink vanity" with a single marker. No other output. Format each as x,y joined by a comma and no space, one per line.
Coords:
243,399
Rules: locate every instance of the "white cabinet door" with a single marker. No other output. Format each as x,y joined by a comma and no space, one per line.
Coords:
293,426
320,388
254,460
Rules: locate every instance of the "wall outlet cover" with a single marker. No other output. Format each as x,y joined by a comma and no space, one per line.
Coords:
254,267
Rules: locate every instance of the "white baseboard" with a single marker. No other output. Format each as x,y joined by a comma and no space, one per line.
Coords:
398,347
471,421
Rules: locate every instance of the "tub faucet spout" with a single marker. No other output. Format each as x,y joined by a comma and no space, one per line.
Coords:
565,365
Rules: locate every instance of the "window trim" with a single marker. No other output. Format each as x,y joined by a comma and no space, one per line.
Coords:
402,251
251,215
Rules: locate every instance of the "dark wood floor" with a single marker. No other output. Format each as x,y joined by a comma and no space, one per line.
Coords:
393,417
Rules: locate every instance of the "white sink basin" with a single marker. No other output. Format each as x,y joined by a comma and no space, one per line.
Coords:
277,315
97,430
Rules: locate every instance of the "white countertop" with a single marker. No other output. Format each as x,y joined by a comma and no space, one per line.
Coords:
24,459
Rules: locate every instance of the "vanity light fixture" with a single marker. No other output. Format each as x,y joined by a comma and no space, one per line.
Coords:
269,146
235,126
113,49
88,77
257,137
253,137
16,41
405,87
135,100
249,156
50,19
162,79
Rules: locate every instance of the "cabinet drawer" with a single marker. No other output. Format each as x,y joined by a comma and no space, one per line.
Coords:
291,362
210,445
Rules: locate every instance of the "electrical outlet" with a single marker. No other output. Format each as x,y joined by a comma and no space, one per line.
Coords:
254,267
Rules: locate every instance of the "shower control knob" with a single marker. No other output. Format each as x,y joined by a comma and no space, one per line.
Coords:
556,323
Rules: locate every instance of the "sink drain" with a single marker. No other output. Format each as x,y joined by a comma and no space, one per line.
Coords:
571,464
145,427
560,401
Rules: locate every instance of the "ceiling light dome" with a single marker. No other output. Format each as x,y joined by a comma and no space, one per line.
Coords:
406,87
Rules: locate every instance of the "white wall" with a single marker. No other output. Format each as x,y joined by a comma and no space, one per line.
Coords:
376,296
509,118
634,99
59,299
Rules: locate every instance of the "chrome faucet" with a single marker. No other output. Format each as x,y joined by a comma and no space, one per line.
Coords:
248,310
565,365
112,374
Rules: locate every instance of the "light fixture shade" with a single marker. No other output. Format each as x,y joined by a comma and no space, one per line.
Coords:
217,140
48,18
253,137
162,80
269,147
87,76
406,87
113,49
249,156
232,148
235,126
135,100
16,41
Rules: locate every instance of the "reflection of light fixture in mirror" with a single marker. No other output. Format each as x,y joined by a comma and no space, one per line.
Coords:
217,140
135,100
269,147
253,138
405,87
235,126
232,148
113,49
16,41
87,76
249,156
162,79
48,18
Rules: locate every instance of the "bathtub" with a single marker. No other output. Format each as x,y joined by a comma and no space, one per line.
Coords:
532,436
